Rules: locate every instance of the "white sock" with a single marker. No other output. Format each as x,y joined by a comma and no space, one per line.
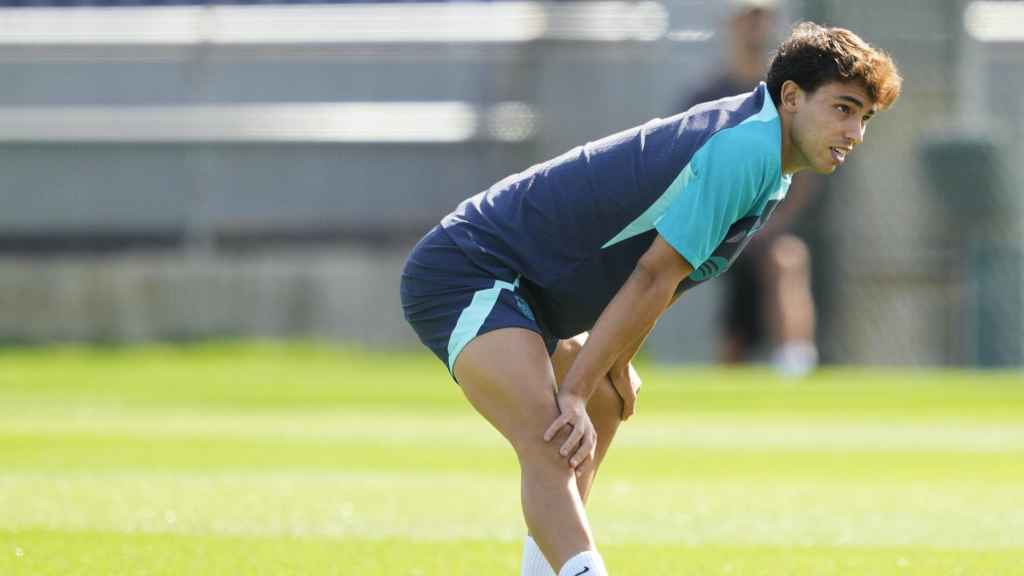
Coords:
796,358
534,562
586,563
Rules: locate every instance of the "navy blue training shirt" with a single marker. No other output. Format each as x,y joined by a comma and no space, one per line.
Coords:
575,226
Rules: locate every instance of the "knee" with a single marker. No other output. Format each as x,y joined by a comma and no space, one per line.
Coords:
789,255
570,348
565,354
605,400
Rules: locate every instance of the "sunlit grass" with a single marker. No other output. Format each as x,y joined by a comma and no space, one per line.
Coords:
308,459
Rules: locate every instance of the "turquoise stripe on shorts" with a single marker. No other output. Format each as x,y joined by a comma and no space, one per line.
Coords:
472,318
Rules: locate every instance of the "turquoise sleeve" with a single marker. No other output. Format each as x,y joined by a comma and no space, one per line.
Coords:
727,175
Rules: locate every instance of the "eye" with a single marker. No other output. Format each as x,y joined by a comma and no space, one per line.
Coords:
843,108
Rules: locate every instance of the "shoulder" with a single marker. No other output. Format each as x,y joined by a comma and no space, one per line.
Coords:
750,140
751,145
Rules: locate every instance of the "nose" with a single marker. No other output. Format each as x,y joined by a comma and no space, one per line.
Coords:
854,132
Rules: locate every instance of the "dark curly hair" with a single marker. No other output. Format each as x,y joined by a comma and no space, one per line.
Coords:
815,55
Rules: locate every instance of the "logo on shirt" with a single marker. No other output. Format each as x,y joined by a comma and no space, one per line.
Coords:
735,240
709,269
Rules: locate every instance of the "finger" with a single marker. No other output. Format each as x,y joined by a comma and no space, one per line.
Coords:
586,450
628,396
574,439
628,405
635,380
625,391
634,386
559,423
585,467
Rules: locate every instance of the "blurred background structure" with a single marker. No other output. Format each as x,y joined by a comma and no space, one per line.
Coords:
175,170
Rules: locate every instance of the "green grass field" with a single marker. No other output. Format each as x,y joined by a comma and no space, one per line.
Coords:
304,459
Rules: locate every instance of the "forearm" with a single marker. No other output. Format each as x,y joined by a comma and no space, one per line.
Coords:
620,330
627,355
622,362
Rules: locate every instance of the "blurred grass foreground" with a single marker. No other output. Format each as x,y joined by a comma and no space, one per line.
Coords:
307,459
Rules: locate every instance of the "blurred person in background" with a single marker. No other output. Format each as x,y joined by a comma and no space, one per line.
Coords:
538,292
769,308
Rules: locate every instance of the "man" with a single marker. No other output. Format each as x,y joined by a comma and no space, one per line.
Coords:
602,239
769,307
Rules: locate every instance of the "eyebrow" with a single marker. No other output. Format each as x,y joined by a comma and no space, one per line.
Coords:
856,101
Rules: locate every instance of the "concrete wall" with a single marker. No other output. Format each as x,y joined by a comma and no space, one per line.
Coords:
344,294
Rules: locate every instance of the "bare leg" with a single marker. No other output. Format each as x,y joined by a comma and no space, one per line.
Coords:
604,408
789,274
508,377
790,304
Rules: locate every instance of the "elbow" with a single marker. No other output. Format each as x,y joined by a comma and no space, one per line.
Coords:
661,269
646,271
654,280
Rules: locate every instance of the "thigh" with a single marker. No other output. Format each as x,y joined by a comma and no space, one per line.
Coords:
507,376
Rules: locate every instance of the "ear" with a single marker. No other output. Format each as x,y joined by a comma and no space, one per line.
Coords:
791,96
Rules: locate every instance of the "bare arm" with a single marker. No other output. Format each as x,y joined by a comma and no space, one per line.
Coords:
625,379
629,353
627,356
623,325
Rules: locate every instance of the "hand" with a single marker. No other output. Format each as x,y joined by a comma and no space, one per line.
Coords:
627,383
582,440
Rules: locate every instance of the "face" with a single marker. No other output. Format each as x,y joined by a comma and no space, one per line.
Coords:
826,125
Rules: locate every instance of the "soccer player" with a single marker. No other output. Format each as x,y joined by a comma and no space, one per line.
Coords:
600,240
